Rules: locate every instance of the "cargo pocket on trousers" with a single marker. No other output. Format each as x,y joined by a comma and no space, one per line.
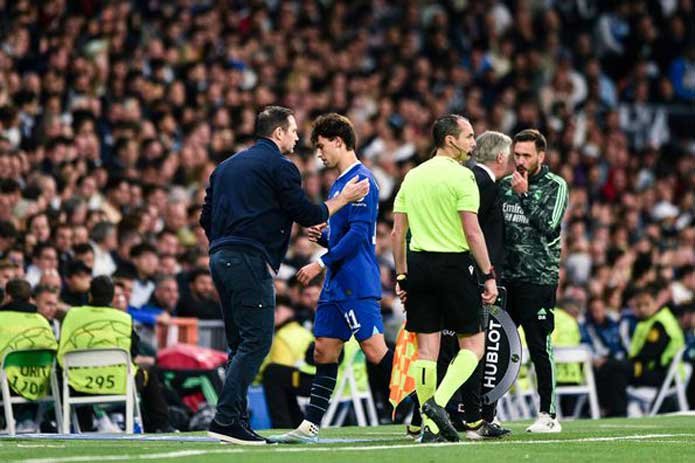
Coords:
260,296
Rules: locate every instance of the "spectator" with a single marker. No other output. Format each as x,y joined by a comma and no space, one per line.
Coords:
104,242
45,258
146,261
78,276
161,305
202,301
18,296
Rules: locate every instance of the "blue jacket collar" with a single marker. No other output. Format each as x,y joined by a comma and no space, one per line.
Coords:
267,142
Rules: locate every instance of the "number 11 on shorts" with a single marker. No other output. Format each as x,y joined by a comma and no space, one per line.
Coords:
351,320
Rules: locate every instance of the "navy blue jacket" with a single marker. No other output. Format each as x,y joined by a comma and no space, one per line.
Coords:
253,198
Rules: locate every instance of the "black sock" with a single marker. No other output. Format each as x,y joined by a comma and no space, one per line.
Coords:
417,417
385,366
321,391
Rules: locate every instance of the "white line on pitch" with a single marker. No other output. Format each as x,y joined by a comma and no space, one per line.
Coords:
284,449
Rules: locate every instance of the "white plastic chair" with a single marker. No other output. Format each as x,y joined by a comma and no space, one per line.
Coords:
100,358
8,400
580,354
347,391
674,384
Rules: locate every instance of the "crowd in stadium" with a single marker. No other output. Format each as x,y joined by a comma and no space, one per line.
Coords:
114,113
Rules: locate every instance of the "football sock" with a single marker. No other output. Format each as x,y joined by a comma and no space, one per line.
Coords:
458,372
385,367
425,372
321,391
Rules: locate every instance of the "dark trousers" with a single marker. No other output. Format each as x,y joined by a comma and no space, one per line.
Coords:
612,380
531,306
247,296
155,411
282,385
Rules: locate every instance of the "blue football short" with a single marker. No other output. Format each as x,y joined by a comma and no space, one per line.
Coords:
343,319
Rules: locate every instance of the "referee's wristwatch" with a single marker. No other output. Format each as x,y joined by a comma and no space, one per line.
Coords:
491,275
402,280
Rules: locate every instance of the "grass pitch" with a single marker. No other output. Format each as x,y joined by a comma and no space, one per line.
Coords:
664,439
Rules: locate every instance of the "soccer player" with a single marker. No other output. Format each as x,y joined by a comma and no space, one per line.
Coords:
349,302
534,202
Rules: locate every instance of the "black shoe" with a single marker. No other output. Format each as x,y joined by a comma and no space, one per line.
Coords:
441,419
234,434
247,426
492,430
428,437
482,430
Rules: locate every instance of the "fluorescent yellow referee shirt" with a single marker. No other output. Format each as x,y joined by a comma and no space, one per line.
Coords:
432,195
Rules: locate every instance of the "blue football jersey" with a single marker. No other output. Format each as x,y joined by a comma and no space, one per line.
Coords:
352,270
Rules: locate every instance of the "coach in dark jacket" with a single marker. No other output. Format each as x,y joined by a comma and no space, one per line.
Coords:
251,201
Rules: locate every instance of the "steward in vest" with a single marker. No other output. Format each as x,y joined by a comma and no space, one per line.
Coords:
656,340
99,326
22,328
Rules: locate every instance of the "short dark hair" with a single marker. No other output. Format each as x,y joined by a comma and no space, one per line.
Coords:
7,230
40,289
18,289
532,135
334,125
40,247
76,267
82,248
270,118
197,272
446,125
101,291
142,248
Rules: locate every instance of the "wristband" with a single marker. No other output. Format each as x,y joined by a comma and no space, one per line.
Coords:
402,280
490,275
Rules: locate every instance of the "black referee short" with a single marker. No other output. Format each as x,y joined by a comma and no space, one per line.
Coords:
443,293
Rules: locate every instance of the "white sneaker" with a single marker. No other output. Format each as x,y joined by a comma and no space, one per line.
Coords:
306,433
104,424
545,424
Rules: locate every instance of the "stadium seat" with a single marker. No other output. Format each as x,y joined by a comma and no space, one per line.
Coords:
349,391
23,358
581,355
650,399
85,358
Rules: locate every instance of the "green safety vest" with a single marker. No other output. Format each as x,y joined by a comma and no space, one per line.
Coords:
289,347
566,334
96,328
673,330
28,374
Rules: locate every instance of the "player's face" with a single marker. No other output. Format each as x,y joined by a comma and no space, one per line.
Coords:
526,158
328,151
288,137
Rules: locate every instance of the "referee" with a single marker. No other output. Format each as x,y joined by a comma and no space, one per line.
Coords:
491,164
534,202
250,204
439,201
